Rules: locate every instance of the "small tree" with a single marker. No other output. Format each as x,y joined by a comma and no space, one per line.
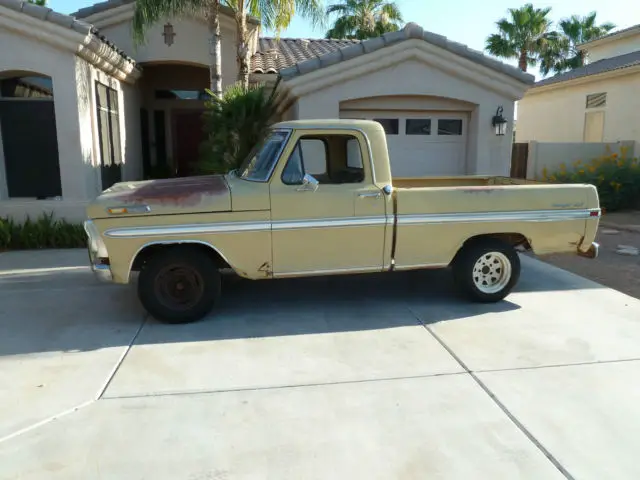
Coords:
234,124
42,3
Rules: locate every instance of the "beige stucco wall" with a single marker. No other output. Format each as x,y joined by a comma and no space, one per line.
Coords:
551,155
76,122
191,45
486,153
558,115
20,53
613,48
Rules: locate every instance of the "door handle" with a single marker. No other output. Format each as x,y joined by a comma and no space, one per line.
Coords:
369,195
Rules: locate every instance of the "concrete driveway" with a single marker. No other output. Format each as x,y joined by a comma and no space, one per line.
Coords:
372,377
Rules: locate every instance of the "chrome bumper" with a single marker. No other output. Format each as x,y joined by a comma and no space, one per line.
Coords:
102,273
97,253
591,252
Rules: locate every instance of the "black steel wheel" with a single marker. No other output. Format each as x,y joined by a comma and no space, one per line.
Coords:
179,285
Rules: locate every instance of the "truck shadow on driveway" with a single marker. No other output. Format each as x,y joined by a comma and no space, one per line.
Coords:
75,313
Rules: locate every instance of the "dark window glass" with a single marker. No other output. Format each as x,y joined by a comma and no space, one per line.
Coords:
390,125
109,134
418,126
450,127
26,87
182,95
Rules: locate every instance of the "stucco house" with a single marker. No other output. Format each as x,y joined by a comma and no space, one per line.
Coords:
595,103
82,106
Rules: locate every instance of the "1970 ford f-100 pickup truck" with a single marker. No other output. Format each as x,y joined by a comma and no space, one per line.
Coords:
316,197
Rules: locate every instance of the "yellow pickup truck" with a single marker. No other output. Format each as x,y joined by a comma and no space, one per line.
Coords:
316,197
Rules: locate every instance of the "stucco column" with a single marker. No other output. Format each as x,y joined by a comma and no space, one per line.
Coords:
73,124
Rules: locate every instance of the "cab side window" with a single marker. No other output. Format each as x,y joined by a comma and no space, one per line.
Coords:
330,159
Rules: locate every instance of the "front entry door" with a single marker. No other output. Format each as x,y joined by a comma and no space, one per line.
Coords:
188,134
335,220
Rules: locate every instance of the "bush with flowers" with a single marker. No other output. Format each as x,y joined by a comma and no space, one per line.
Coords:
616,176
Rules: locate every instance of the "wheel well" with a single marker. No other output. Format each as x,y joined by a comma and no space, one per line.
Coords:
147,252
514,239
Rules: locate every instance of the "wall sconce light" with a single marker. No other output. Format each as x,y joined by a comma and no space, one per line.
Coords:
499,122
168,34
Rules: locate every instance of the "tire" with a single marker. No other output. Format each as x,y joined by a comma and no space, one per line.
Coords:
486,270
179,285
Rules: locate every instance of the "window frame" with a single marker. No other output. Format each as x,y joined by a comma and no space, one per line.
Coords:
298,146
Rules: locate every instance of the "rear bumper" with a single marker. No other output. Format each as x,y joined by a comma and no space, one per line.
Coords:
591,252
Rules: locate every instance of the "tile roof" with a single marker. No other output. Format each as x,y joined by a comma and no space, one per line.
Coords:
291,57
109,4
601,66
273,55
612,34
66,21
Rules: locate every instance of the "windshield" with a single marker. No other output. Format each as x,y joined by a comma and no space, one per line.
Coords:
260,162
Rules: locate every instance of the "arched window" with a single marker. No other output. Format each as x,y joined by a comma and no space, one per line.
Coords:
28,136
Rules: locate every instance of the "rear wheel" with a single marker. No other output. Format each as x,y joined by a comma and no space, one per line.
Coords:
486,270
179,285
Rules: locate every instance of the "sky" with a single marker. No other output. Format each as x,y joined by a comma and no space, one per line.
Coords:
465,21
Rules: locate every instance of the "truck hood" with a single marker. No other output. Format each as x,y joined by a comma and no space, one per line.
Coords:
162,197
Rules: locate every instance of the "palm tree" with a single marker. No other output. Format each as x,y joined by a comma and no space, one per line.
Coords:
274,15
524,35
565,54
42,3
148,12
360,19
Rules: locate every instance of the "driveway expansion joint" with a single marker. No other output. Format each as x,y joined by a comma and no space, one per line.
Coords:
277,387
495,399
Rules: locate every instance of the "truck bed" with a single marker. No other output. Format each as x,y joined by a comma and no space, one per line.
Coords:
459,181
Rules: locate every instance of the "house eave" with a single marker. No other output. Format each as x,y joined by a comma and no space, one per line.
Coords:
412,49
86,46
124,13
620,72
630,32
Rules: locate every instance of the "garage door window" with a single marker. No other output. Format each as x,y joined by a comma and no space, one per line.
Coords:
449,127
418,126
390,125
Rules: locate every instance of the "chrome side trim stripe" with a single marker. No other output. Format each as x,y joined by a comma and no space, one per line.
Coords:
484,217
240,227
194,229
331,223
280,225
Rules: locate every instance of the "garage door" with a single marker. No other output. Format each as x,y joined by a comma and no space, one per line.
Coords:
422,143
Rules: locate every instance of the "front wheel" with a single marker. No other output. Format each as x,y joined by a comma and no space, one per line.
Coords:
179,285
487,270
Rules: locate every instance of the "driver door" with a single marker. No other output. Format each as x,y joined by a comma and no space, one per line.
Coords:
327,215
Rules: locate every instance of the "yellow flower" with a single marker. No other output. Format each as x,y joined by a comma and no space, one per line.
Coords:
581,171
577,162
552,178
592,169
620,163
614,155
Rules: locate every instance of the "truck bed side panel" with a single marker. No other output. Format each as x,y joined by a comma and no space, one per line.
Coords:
433,223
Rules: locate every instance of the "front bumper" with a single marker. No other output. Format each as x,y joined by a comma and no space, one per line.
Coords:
98,255
591,252
102,272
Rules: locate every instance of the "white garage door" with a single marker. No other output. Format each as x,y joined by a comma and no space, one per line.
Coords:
424,143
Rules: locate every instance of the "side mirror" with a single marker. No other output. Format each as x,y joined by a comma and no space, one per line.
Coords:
309,184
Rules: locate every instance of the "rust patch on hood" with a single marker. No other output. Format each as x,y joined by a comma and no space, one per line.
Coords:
183,192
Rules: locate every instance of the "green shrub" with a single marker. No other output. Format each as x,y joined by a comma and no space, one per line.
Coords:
44,232
234,124
616,177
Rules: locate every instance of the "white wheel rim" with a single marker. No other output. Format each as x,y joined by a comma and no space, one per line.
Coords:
492,272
